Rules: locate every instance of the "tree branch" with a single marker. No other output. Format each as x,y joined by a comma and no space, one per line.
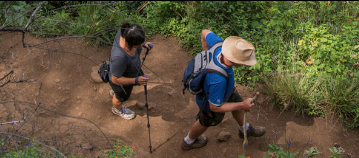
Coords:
33,14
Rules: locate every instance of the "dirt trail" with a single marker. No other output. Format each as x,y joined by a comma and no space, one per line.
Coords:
67,88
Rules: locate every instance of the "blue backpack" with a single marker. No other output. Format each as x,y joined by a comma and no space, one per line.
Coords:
198,67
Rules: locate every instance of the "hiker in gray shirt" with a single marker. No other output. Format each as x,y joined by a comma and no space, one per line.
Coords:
125,67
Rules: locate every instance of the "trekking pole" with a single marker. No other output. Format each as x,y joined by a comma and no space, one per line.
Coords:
245,141
144,58
148,118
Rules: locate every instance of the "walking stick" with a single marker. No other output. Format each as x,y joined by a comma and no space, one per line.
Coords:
148,118
145,86
245,141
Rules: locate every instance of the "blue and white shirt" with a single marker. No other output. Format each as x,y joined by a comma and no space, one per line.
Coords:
215,85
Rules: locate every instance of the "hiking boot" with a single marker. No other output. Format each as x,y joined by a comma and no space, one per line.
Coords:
125,113
112,93
253,131
200,142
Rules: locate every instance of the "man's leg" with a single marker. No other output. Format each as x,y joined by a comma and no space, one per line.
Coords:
238,115
195,139
197,130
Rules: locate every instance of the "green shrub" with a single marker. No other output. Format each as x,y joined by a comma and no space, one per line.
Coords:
119,151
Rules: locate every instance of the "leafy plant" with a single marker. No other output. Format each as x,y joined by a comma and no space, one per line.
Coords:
336,151
311,152
121,151
15,14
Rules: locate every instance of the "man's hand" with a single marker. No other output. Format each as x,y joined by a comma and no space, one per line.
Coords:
247,105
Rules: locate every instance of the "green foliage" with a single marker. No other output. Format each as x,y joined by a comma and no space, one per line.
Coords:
57,23
311,152
299,44
342,96
120,151
336,152
276,151
292,89
15,14
280,152
29,149
26,149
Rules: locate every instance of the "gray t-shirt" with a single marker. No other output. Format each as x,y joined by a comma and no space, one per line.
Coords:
122,64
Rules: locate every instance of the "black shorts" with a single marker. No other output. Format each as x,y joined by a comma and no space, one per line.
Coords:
121,94
209,118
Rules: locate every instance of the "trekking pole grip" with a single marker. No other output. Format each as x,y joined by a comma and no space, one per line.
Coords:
151,46
255,97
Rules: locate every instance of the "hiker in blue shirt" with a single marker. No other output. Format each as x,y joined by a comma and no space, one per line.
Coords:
221,96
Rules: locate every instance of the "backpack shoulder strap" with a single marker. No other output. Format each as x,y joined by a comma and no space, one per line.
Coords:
212,66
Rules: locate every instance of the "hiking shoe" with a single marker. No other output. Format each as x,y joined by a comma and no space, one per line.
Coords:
112,93
125,113
200,142
253,131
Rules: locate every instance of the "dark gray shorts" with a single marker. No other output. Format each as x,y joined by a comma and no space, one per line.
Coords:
120,94
209,118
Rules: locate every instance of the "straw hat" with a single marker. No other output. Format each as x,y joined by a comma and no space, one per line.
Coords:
238,50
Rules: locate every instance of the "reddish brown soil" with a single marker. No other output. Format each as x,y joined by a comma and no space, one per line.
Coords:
67,88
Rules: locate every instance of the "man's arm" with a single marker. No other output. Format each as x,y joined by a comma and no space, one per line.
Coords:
227,107
203,39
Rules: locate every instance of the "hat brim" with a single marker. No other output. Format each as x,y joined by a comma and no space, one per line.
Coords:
252,59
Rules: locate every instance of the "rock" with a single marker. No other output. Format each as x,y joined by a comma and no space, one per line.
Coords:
94,75
78,97
57,80
223,136
59,88
67,88
151,105
79,114
63,100
94,88
100,90
171,92
140,105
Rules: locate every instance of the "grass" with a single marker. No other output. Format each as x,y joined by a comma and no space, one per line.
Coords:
25,148
284,151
